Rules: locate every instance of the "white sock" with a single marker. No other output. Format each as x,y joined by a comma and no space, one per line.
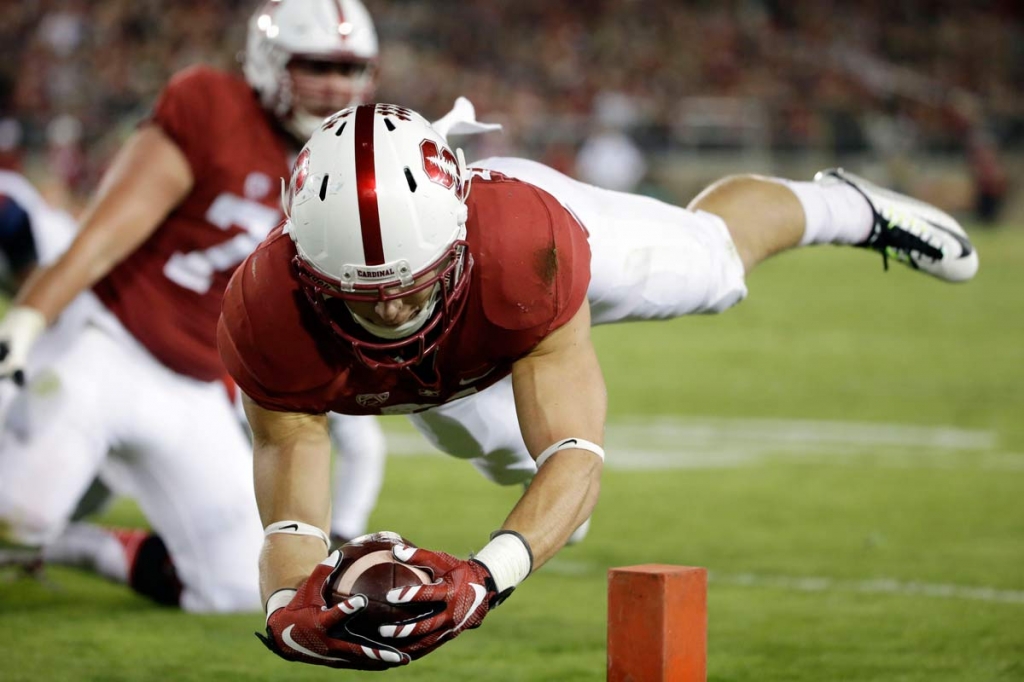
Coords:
90,547
834,213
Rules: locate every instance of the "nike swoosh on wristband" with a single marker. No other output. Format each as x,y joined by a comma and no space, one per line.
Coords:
965,246
290,526
478,598
287,637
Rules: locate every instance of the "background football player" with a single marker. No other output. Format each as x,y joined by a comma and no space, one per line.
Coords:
188,196
405,282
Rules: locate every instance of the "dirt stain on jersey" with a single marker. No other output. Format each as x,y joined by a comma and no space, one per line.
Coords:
547,264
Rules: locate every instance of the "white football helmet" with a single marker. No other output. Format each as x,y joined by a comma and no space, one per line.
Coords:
377,210
322,30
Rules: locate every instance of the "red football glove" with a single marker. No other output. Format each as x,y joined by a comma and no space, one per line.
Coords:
307,630
462,590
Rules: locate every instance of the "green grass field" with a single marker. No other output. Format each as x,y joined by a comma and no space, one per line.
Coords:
844,452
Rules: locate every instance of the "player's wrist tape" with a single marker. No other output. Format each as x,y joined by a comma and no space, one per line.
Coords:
25,322
570,444
279,600
297,528
508,558
19,329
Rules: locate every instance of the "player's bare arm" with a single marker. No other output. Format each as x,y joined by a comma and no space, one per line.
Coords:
147,179
291,465
561,402
560,394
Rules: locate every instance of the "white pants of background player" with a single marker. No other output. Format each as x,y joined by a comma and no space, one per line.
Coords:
358,472
649,261
175,444
98,403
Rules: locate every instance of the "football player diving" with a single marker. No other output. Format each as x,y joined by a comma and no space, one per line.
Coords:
405,281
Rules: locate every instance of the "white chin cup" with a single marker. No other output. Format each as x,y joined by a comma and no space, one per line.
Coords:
403,330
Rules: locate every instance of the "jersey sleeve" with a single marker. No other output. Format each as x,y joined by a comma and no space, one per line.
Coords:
236,346
183,112
544,257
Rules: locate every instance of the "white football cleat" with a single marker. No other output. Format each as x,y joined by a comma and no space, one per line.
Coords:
912,231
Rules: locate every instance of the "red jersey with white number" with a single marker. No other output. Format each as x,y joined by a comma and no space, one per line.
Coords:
168,292
531,269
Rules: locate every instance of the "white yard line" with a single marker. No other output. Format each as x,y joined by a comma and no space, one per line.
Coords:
911,588
692,442
904,588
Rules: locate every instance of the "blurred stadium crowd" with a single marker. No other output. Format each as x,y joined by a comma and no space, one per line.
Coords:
640,78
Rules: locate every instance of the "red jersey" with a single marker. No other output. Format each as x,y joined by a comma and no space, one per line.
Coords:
168,292
531,269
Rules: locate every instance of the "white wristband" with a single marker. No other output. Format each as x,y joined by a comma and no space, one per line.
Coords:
279,600
570,444
19,329
24,322
297,528
508,558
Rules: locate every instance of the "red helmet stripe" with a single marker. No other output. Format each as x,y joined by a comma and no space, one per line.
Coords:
341,17
366,186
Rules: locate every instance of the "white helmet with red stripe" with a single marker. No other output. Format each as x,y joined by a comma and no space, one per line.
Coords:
324,31
377,210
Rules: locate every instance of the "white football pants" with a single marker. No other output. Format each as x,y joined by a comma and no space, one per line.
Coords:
176,447
649,261
358,472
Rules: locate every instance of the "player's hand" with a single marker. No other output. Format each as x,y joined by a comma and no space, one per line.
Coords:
19,329
463,592
306,629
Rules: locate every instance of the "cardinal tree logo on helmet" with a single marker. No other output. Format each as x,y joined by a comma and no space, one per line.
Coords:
440,165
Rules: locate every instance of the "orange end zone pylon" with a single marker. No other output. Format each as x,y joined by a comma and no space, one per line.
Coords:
657,623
